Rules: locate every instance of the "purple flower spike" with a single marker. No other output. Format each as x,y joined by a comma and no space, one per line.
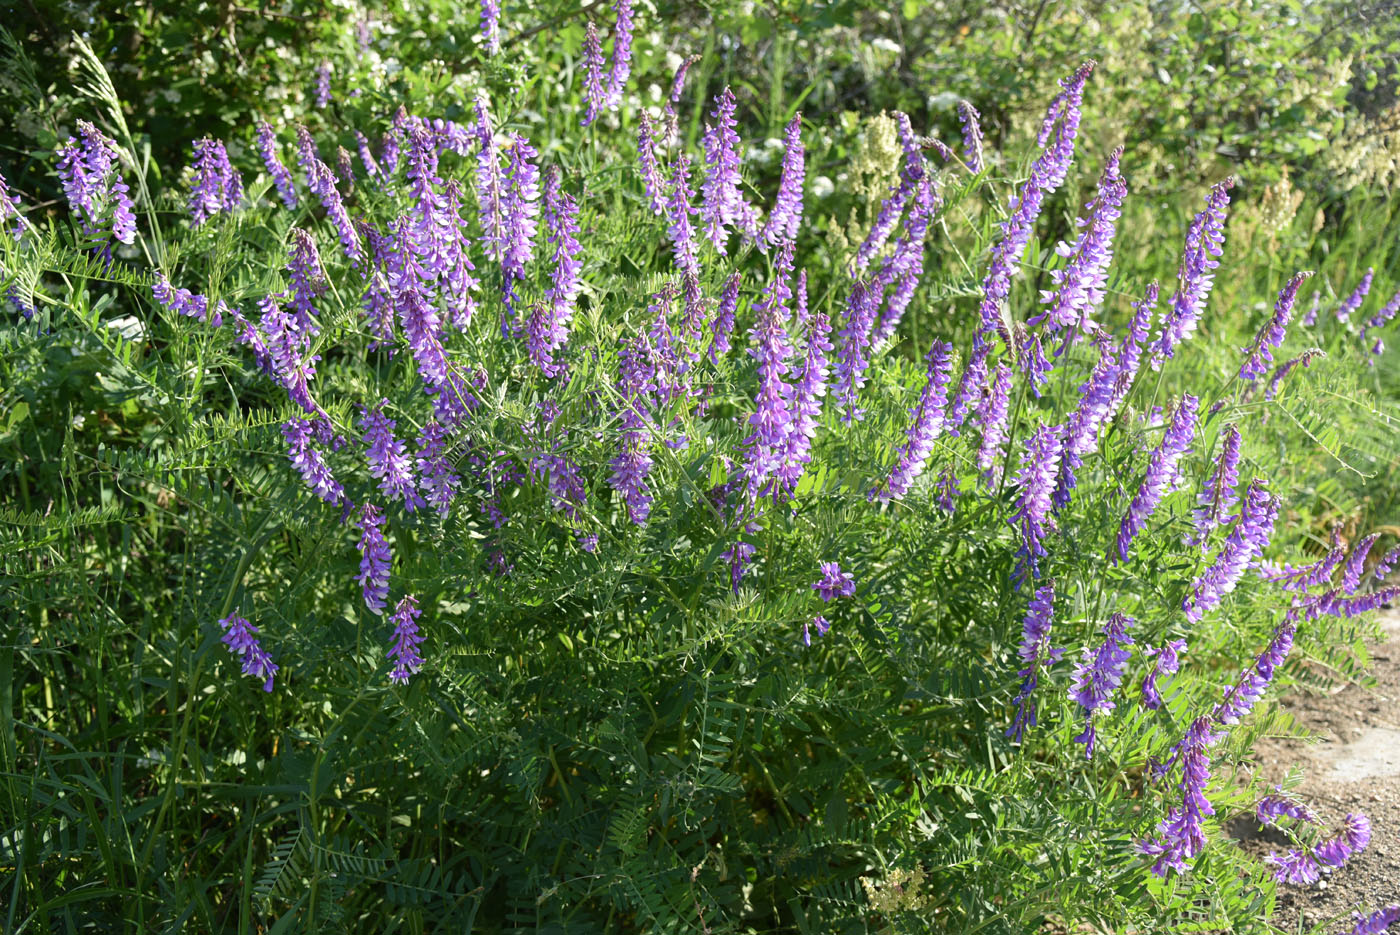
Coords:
1352,839
1377,922
519,209
1182,833
646,163
1293,866
723,326
636,378
834,582
1081,285
1165,661
1271,808
388,462
407,639
594,96
1098,675
1040,465
490,39
1261,354
1082,428
309,463
1204,242
439,480
972,387
1241,549
241,637
972,136
374,558
323,86
548,327
991,419
620,68
1037,653
678,214
1241,696
927,421
1161,469
216,187
89,169
185,302
855,340
785,220
722,203
1218,495
772,349
807,398
267,148
1282,371
1131,347
1383,317
1358,295
821,624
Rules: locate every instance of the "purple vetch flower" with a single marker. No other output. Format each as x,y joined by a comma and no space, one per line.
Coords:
374,558
636,373
821,624
490,192
721,202
1181,834
855,339
892,207
1035,364
620,68
1218,495
1246,691
1082,427
372,168
1261,353
806,397
1057,135
438,478
216,187
927,422
771,419
1131,347
972,387
323,85
1310,318
90,171
1098,675
595,98
1377,922
455,280
946,490
241,637
9,208
185,302
322,184
1037,653
972,136
723,326
1081,285
345,167
905,266
306,280
407,639
1242,548
991,420
490,33
1351,840
678,213
548,326
388,462
738,556
1161,469
834,582
1040,464
417,317
1205,239
785,219
647,164
1284,369
285,346
1272,807
1383,317
309,463
1356,564
1293,866
1166,659
267,148
1353,302
362,35
1387,562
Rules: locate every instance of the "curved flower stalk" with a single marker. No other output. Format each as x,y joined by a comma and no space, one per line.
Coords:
519,210
678,213
785,220
1205,240
89,169
972,136
911,172
620,67
1282,371
407,639
927,420
1293,866
1351,303
1081,284
991,419
1272,807
241,638
806,399
285,346
1166,660
1218,495
905,266
374,558
771,419
1181,834
1261,354
1353,838
1037,654
722,204
309,463
185,302
281,178
548,326
1040,464
216,187
1161,469
1387,562
723,327
595,98
1098,675
1312,575
820,624
489,37
1240,697
388,462
1083,425
855,339
1243,547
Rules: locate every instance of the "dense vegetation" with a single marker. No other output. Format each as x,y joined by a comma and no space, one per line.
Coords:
650,469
